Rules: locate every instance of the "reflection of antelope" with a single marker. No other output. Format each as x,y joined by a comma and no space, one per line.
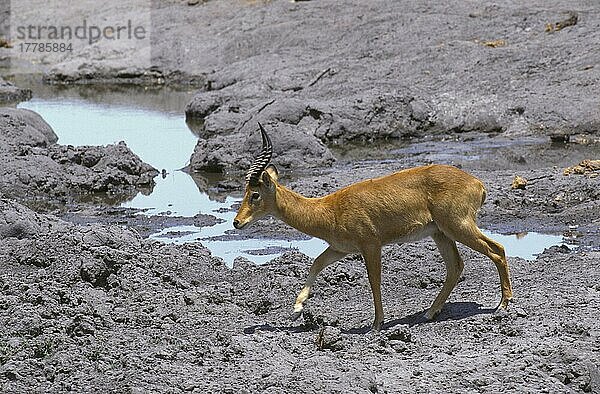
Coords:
435,200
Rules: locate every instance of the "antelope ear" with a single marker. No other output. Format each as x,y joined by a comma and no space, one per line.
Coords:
272,170
267,181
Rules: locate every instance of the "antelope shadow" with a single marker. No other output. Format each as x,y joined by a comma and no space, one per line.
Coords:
451,311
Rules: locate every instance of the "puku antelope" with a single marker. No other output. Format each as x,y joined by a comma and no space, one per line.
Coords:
436,200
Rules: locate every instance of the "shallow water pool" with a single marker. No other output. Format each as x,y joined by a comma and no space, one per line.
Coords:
162,139
526,245
160,136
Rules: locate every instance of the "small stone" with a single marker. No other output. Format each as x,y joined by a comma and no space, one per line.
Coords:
329,338
401,333
520,312
519,183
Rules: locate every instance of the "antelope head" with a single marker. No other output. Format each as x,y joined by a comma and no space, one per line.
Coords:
261,184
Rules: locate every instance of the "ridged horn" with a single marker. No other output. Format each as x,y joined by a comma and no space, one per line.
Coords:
262,160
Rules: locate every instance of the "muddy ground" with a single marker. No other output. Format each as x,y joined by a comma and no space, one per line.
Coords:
88,304
90,308
98,308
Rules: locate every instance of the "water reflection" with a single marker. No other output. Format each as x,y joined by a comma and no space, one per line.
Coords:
178,195
526,245
158,138
160,99
161,137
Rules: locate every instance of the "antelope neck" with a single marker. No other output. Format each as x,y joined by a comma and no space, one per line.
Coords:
308,215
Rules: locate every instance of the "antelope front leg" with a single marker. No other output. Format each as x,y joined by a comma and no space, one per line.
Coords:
327,257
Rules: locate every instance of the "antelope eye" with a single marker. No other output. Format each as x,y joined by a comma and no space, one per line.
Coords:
254,197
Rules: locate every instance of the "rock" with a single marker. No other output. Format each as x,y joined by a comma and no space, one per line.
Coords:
95,272
25,127
34,165
10,93
520,312
570,20
81,325
16,221
329,338
203,104
19,229
292,150
401,333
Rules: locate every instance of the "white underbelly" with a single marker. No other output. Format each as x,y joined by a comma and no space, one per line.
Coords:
423,232
348,246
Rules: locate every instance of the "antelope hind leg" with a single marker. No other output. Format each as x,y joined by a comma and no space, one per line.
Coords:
469,234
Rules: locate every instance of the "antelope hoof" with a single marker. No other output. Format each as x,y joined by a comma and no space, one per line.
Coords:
504,303
431,314
297,312
376,327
